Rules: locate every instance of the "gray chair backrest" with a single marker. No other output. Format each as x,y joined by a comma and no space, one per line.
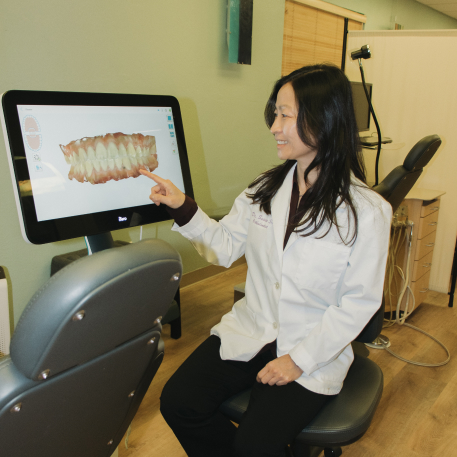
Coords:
396,185
84,352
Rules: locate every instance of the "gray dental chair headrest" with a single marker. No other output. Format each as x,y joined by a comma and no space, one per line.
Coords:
90,307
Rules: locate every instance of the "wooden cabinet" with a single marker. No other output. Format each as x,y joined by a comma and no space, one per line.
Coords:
422,207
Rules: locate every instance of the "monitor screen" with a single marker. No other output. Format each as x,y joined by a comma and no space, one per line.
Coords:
75,160
361,106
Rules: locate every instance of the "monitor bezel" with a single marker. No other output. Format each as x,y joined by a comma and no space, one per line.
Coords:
41,232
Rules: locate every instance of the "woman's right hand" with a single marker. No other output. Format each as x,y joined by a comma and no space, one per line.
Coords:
165,191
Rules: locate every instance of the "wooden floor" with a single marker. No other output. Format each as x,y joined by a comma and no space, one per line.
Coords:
417,416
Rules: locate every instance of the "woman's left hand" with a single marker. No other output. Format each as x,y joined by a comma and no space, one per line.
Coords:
279,371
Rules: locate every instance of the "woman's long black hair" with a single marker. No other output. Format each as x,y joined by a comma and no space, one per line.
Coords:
326,122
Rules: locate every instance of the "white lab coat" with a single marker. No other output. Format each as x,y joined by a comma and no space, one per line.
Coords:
314,297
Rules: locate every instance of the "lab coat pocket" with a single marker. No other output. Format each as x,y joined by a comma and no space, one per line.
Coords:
245,318
321,264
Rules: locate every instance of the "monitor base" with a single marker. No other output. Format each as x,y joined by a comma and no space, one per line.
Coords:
100,242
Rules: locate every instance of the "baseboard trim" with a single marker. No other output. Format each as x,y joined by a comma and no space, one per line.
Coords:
206,272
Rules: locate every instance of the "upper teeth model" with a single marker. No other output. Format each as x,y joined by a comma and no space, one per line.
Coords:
115,156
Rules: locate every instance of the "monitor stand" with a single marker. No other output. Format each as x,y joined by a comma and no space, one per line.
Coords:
100,242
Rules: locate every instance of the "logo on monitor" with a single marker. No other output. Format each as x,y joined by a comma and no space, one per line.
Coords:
121,219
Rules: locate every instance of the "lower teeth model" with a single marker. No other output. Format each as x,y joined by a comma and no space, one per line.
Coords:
115,156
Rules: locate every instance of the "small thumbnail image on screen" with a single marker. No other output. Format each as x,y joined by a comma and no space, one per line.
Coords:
113,156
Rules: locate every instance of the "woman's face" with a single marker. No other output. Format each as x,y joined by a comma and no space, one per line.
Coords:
284,128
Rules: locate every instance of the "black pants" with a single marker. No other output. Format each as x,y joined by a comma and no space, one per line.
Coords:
192,396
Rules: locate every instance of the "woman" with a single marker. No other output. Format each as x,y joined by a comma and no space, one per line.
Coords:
315,239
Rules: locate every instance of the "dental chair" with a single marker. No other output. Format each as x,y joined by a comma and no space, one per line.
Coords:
173,315
85,351
346,417
396,185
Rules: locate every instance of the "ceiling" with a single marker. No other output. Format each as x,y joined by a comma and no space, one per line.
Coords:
448,7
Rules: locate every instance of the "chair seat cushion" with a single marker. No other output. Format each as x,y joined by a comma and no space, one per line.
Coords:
344,418
347,416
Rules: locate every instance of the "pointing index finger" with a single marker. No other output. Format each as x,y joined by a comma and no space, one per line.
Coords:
152,176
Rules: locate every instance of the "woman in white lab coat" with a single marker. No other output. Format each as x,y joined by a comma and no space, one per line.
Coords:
315,239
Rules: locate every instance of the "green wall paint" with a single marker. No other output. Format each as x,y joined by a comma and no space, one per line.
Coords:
172,47
175,47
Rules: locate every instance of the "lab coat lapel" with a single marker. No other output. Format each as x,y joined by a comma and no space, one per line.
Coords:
280,212
293,237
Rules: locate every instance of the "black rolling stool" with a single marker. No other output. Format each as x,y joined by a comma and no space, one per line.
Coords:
347,416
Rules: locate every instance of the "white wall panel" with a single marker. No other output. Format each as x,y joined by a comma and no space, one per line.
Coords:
414,95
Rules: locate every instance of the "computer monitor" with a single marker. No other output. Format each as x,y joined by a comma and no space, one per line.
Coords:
75,160
361,106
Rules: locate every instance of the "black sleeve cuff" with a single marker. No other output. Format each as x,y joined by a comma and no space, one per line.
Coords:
185,212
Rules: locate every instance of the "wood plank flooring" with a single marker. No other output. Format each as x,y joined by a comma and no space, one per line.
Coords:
418,410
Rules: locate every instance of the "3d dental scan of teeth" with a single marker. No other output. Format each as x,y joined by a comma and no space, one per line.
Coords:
113,156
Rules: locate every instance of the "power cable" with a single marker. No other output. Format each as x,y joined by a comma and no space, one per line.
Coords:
394,245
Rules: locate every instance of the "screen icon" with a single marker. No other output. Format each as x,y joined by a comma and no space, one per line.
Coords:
32,132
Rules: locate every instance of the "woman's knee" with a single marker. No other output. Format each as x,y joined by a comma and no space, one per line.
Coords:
181,404
172,402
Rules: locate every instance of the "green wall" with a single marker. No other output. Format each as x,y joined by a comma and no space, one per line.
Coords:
175,47
409,13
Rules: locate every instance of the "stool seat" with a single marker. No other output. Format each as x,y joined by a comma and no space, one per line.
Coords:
343,419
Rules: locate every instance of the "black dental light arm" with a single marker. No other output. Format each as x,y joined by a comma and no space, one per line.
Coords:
365,53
